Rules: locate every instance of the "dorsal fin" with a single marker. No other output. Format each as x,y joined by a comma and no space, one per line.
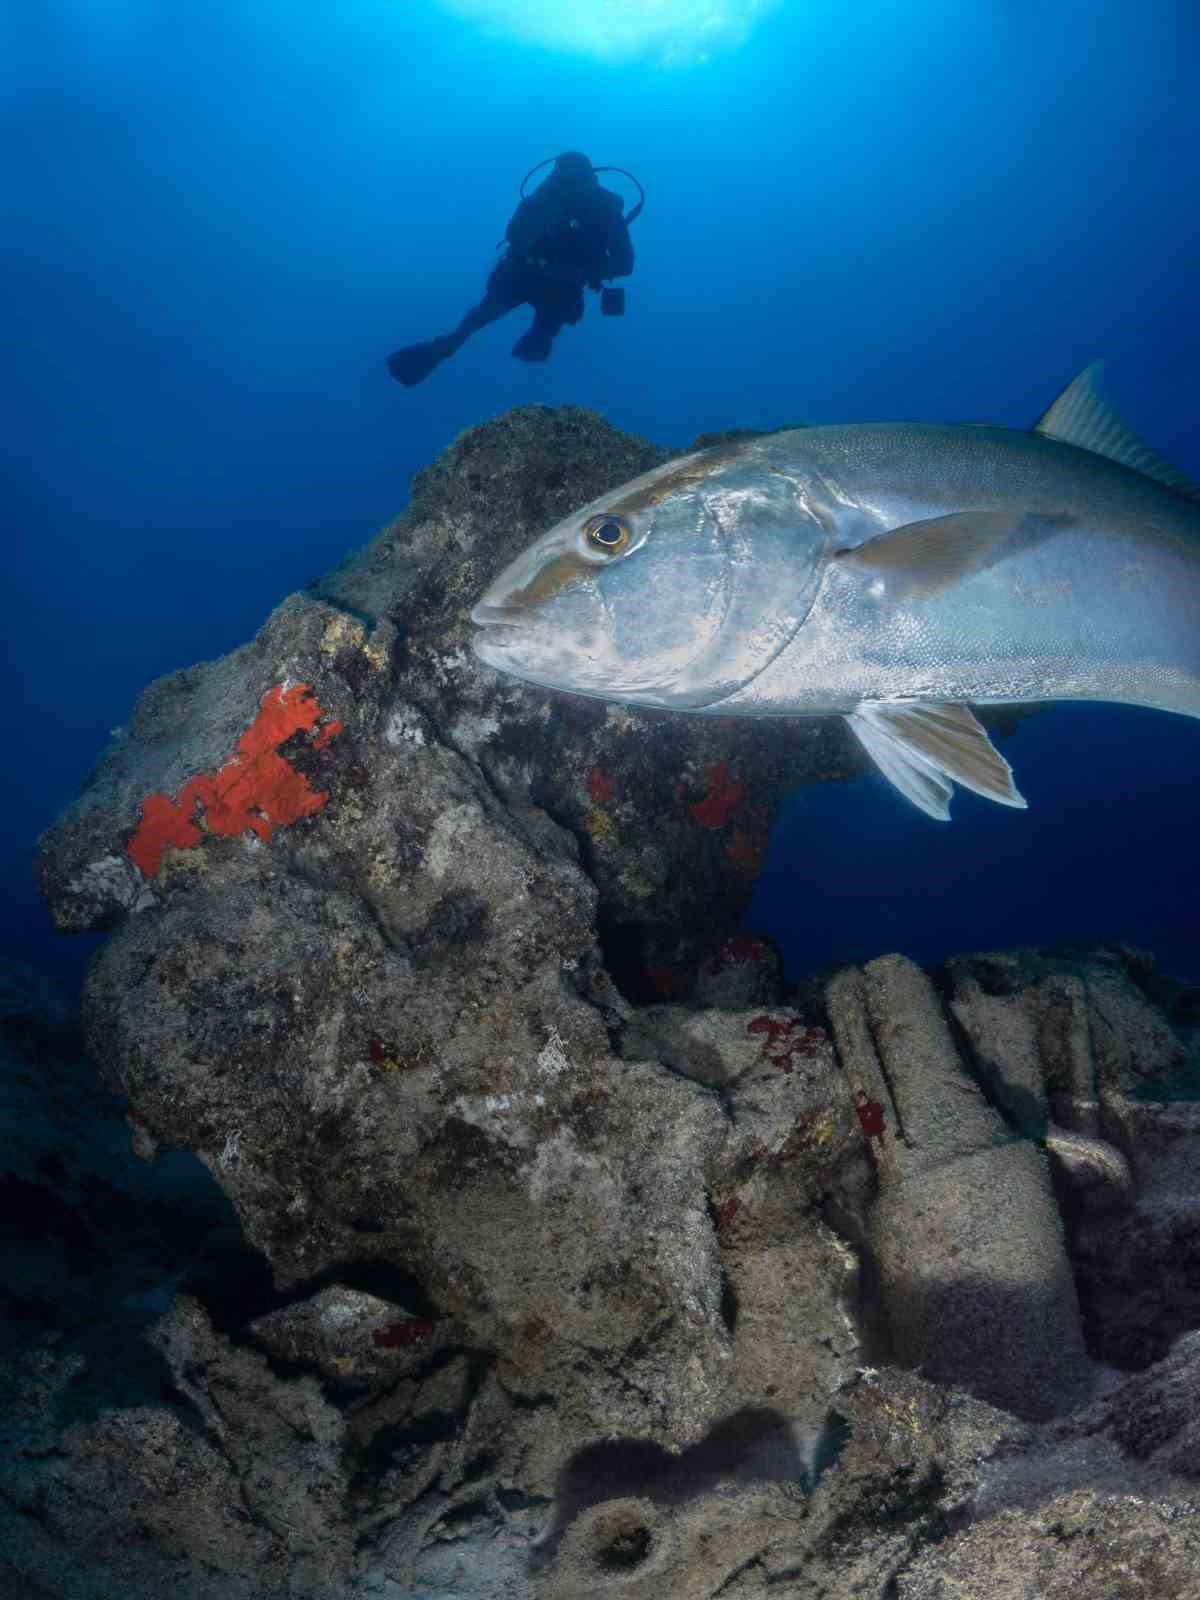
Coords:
1082,416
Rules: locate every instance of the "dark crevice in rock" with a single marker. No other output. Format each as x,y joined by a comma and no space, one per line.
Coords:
189,1412
514,1500
233,1281
323,590
458,1516
32,1215
881,1057
403,1444
733,1580
235,1285
729,1303
622,945
523,1401
480,1466
866,1310
780,1576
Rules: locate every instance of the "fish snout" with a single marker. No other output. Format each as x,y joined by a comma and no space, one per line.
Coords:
487,614
496,626
507,637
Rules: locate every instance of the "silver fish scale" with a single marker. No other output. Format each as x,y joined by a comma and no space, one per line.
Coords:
1107,609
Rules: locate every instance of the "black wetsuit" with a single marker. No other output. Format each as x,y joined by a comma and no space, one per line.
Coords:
561,238
558,242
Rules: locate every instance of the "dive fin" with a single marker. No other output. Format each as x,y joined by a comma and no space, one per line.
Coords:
925,749
922,559
415,362
1082,416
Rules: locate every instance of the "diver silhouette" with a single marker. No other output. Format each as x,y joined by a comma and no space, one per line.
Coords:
568,234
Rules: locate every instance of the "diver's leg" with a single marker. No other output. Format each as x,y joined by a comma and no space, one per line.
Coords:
415,362
558,303
504,292
536,342
490,309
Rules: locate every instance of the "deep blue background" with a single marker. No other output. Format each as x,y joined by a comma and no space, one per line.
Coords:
219,219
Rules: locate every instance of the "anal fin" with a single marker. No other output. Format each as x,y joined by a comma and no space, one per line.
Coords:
925,749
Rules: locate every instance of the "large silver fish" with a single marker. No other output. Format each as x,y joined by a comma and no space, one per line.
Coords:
893,574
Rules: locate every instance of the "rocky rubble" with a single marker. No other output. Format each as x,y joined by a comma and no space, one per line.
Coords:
540,1242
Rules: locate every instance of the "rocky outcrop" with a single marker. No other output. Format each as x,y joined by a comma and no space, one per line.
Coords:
1096,1056
976,1286
552,1245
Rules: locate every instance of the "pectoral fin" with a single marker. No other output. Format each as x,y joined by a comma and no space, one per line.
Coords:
925,558
925,749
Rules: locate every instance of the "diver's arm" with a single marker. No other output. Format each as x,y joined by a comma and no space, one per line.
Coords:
616,247
619,251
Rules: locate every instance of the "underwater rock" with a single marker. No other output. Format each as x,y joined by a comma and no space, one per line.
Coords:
1096,1053
95,1469
1084,1543
350,1335
669,816
563,1230
1096,1174
975,1282
1155,1416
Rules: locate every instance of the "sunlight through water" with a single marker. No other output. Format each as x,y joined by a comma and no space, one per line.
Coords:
673,32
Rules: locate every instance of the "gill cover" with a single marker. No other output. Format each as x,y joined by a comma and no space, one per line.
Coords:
773,556
674,591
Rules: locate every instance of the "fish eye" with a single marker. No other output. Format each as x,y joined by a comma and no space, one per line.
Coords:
607,534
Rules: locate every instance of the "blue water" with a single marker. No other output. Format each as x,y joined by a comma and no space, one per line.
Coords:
220,218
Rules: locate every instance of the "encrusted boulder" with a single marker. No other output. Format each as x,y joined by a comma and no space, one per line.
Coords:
1096,1053
976,1284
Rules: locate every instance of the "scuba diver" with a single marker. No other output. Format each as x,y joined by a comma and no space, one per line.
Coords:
570,232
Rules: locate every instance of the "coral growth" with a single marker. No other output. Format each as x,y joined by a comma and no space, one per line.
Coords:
256,789
399,1335
726,797
600,786
786,1039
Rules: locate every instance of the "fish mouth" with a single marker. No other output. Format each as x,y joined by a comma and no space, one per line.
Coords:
516,641
497,626
498,633
494,640
493,617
